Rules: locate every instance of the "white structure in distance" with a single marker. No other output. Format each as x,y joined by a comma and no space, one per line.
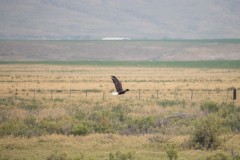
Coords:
115,38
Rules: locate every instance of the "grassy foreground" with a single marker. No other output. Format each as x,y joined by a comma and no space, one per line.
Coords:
92,129
98,146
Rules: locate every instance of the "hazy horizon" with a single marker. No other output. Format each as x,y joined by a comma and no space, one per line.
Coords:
138,19
123,50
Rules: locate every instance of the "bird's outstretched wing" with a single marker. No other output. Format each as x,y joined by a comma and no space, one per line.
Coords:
117,84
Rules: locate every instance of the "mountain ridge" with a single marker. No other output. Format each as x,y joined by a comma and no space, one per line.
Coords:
138,19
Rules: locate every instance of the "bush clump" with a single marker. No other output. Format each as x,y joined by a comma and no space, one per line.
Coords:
218,156
231,115
210,107
121,156
171,152
80,130
57,156
140,125
205,135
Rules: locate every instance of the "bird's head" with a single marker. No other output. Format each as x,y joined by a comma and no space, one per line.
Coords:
127,89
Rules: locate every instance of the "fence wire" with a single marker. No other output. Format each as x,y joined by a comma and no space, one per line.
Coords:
186,95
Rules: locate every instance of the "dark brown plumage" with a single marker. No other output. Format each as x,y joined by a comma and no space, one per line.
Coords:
118,86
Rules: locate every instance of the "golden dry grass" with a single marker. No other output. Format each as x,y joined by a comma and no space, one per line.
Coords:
164,83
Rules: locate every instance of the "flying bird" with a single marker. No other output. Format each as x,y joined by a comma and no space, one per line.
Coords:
118,86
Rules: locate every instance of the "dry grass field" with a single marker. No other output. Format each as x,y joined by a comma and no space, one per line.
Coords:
163,83
68,112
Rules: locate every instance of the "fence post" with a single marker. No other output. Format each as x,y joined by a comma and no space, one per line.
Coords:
103,95
16,93
139,94
234,94
157,93
51,94
191,95
227,93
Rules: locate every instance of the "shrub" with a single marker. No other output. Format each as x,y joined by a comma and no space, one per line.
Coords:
171,151
31,105
15,128
205,135
217,156
210,107
121,156
80,157
50,126
26,127
80,115
166,103
120,113
9,101
30,121
141,125
235,155
101,122
80,129
231,115
57,156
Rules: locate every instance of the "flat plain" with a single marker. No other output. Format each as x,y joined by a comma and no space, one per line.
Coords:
67,111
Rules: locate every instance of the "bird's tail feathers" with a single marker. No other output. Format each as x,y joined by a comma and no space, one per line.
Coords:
114,93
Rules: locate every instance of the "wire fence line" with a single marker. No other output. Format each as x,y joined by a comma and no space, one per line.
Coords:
169,94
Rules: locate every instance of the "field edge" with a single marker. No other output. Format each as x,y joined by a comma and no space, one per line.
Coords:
231,64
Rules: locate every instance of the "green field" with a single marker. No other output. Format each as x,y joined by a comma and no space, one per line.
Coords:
174,64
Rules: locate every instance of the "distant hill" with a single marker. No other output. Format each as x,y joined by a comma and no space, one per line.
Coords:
120,50
135,19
